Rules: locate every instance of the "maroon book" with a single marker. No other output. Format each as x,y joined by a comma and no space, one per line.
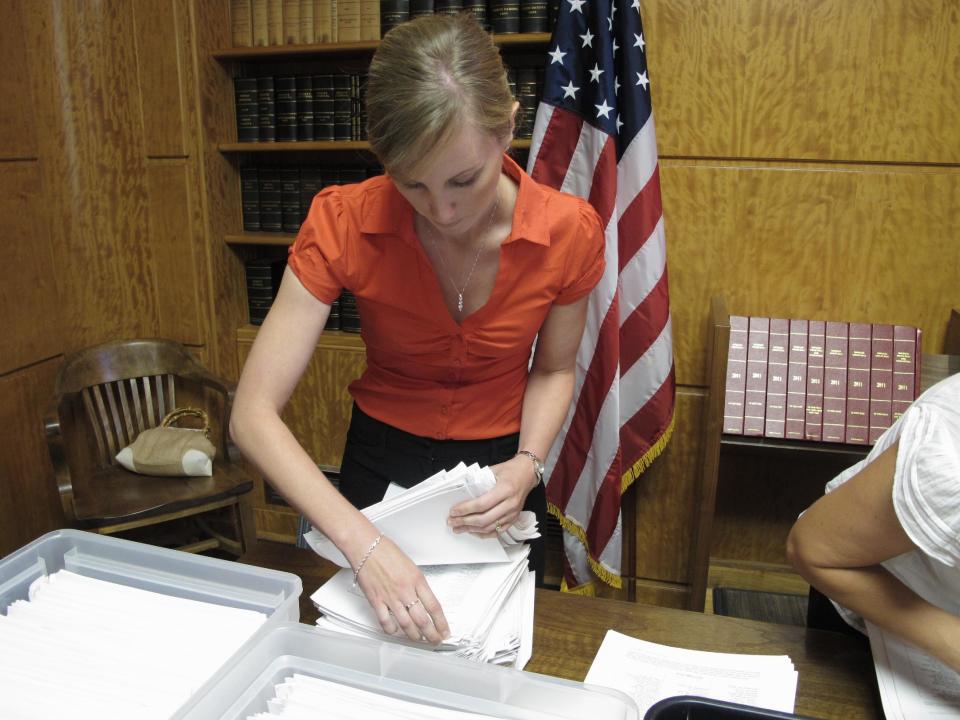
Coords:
858,385
755,401
778,357
813,418
835,382
736,376
797,380
881,379
904,389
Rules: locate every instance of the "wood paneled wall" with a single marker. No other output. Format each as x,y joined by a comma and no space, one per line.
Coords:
100,209
809,167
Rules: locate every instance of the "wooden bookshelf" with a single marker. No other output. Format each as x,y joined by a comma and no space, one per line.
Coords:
367,47
321,146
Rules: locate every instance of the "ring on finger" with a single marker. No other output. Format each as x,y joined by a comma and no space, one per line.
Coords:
498,528
407,606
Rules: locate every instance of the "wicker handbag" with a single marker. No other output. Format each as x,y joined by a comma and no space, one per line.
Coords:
172,451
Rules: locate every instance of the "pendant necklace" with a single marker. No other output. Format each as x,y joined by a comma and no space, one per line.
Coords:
436,247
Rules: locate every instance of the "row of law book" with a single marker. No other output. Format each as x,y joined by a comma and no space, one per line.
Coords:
260,23
818,380
263,282
277,199
294,108
330,106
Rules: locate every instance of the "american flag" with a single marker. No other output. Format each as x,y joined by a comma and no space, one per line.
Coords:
594,137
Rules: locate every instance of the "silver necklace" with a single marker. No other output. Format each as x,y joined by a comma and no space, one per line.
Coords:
460,291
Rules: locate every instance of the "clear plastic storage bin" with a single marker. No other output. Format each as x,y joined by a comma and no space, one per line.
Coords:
244,684
180,574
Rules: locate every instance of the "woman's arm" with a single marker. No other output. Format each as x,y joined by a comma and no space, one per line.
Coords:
545,402
838,545
283,348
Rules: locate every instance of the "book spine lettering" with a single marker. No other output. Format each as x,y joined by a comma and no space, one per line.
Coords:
478,8
778,361
342,106
797,381
533,16
266,109
835,381
286,94
881,380
857,430
755,401
393,13
305,120
505,16
323,107
813,418
904,370
271,198
290,200
447,7
241,21
250,198
736,376
420,7
369,19
348,21
248,113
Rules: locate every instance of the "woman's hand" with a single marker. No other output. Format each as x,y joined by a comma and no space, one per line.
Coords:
499,506
400,596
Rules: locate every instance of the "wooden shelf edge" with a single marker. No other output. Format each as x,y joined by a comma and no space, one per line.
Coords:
329,338
352,48
260,238
321,146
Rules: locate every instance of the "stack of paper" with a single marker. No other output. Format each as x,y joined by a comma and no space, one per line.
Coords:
649,672
489,607
416,521
912,683
86,648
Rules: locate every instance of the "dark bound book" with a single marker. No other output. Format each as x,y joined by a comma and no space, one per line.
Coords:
290,199
533,16
797,381
263,282
736,376
266,109
478,8
857,430
527,97
323,107
304,107
311,182
904,370
813,419
778,356
420,7
447,7
755,399
393,13
250,198
835,382
881,380
333,320
248,113
349,313
505,16
271,195
342,107
286,102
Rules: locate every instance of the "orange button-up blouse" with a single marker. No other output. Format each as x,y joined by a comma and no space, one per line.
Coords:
426,374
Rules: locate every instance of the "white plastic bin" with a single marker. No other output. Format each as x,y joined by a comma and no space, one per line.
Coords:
180,574
246,682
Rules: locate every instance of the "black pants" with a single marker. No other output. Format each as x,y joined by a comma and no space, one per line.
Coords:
377,454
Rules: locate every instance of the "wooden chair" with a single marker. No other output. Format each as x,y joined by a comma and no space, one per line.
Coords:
105,396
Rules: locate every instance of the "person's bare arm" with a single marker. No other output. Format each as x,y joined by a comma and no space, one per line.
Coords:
838,544
283,348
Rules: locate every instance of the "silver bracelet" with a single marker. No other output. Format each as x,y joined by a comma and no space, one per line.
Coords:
366,556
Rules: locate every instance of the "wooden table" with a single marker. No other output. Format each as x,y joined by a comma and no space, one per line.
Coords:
836,671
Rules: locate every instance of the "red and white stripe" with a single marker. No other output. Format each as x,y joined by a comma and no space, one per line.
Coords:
622,411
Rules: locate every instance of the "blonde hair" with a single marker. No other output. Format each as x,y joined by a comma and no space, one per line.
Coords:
428,77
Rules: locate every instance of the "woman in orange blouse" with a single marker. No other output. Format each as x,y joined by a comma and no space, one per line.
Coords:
459,261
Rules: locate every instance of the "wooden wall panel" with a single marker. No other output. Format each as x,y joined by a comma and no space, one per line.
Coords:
29,505
18,137
663,498
806,79
158,32
92,154
28,292
177,252
833,242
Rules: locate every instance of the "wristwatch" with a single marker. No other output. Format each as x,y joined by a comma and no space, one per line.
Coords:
537,463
